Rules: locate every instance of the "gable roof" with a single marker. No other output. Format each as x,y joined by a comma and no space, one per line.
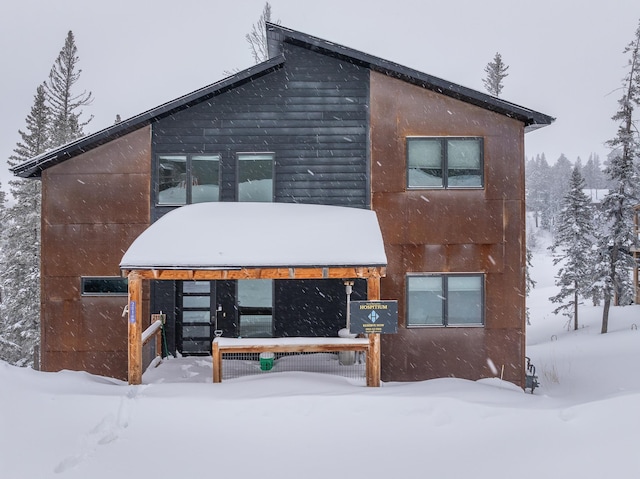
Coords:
277,35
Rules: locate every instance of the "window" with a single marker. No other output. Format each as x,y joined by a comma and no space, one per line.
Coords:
104,286
255,308
186,179
255,177
445,300
444,162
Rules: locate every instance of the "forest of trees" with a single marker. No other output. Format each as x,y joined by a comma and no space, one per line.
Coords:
587,206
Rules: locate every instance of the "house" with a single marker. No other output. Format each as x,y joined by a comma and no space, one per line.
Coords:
318,123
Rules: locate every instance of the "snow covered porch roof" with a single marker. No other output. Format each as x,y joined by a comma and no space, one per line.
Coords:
226,240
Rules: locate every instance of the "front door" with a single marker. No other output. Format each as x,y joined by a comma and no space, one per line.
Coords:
197,308
242,308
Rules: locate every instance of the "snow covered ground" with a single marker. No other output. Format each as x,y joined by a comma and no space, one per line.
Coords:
584,420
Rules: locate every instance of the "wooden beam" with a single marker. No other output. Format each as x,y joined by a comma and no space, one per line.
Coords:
373,356
264,273
135,328
217,362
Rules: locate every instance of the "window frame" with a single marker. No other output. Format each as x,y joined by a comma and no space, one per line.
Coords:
119,279
445,295
444,148
238,154
189,176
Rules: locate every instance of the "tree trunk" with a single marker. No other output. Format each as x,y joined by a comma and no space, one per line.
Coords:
575,306
605,315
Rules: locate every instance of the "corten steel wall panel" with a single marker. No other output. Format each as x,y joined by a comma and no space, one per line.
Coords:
112,364
453,231
97,248
93,207
452,352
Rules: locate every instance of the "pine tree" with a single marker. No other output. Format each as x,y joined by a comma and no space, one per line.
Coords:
594,177
20,239
618,204
558,184
572,246
537,173
257,37
496,72
66,125
54,120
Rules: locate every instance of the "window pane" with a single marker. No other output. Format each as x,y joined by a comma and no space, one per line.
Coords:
255,177
105,286
172,180
196,301
424,158
425,301
464,300
196,331
196,287
464,162
254,293
256,326
205,171
196,317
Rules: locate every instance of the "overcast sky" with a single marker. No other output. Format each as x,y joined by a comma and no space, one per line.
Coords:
565,56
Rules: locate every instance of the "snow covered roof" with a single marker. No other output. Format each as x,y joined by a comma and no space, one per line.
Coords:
230,235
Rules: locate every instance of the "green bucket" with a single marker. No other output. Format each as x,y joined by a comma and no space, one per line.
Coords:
266,361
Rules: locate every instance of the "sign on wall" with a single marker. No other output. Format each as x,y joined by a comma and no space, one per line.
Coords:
373,317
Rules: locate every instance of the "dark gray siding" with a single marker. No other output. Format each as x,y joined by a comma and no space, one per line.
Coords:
312,114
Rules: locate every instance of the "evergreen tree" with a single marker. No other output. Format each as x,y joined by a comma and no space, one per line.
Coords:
623,196
594,176
537,173
20,239
557,184
572,246
66,125
496,72
54,119
257,37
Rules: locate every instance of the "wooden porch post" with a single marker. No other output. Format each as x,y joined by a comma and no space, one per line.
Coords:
135,328
373,356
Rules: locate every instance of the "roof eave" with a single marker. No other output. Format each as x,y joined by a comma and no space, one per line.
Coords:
531,119
34,167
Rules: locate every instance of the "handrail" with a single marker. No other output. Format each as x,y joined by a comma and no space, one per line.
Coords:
152,330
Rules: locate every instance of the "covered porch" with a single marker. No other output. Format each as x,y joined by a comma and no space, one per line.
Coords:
256,241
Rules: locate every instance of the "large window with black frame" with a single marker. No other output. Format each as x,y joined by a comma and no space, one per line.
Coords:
445,300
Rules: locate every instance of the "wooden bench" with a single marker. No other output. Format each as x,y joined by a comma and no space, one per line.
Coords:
295,345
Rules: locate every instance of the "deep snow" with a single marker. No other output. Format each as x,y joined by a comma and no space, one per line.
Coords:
584,420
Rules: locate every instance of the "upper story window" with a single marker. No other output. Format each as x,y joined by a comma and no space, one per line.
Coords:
445,162
255,177
185,179
445,300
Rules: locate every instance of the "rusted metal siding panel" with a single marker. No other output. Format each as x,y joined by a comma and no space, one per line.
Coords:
93,206
452,231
